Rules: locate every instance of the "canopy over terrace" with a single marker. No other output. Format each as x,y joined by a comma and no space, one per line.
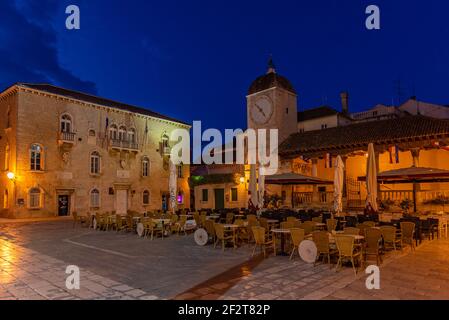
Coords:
412,175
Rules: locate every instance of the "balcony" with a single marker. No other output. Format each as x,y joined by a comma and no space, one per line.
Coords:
66,138
124,145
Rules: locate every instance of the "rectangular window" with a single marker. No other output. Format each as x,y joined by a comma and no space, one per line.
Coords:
234,194
205,195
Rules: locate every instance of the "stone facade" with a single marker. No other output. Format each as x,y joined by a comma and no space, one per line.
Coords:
33,117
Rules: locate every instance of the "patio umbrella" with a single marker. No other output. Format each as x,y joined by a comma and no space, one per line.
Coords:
261,190
253,184
371,178
172,185
338,185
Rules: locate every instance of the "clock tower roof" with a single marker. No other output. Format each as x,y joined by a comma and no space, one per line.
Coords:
270,80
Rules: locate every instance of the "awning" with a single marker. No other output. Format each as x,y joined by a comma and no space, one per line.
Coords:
412,174
295,179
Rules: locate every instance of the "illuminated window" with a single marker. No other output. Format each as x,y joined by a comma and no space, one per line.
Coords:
66,123
146,198
35,198
145,167
234,194
36,157
95,163
205,195
94,198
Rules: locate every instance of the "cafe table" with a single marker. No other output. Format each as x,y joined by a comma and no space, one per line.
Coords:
320,226
164,223
283,233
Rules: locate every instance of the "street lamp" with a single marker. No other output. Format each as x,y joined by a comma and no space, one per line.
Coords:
11,176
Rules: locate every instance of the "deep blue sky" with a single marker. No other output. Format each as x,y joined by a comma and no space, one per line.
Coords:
196,59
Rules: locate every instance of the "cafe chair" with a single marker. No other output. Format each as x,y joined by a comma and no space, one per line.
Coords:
331,225
321,240
373,248
261,240
390,237
408,233
347,251
223,236
297,235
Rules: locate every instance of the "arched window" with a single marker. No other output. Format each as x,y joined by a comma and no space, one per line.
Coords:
91,133
165,141
95,163
35,198
122,133
113,132
7,157
66,123
95,198
132,135
146,198
5,200
36,156
145,167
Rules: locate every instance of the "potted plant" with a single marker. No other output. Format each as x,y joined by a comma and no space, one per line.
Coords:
405,206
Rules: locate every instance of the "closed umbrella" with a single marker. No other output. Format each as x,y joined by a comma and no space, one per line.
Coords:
261,185
338,185
253,185
371,178
172,185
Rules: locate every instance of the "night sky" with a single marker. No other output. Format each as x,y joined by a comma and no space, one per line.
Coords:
194,60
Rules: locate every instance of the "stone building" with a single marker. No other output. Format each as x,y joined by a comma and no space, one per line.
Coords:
63,151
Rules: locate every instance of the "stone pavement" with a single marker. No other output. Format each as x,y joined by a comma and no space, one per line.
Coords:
34,256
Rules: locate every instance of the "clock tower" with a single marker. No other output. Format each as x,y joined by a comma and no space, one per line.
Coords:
272,104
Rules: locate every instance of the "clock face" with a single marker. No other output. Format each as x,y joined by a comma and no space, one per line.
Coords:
261,110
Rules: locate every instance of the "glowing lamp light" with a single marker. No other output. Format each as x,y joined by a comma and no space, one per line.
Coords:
242,179
11,175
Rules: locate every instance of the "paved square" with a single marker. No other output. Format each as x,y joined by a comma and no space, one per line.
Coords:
34,257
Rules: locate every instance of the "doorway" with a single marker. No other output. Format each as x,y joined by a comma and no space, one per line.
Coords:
63,205
121,205
219,199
